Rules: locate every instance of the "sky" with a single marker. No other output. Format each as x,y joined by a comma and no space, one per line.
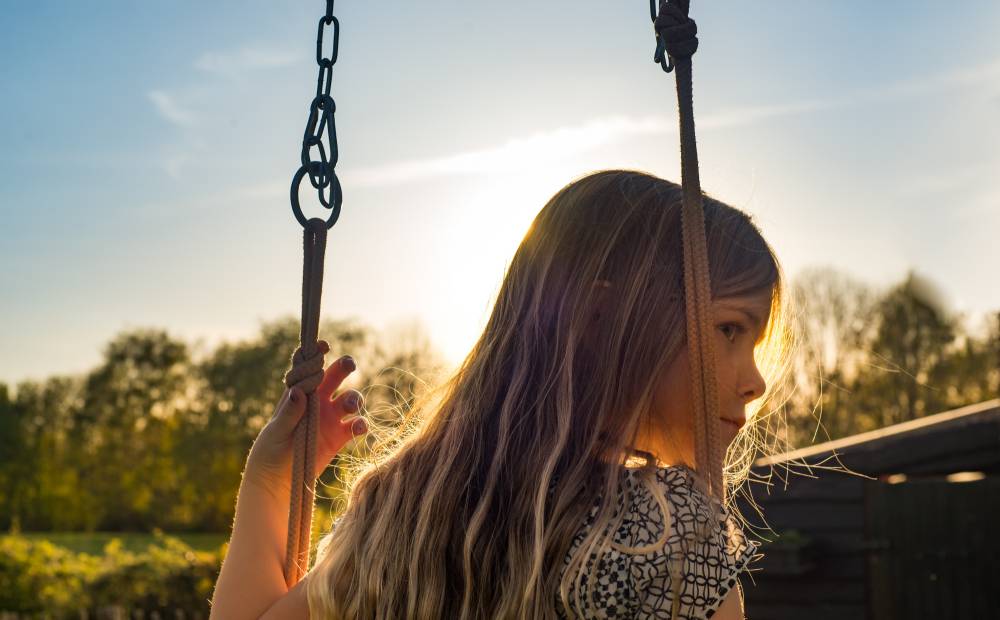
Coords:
146,152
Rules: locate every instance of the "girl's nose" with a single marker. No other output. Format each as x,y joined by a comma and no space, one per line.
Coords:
754,386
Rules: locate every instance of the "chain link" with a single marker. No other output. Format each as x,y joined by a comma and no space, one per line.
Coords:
321,131
660,55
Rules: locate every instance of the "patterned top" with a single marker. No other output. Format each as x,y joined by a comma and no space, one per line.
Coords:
643,585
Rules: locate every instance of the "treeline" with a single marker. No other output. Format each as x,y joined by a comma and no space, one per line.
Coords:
156,436
869,358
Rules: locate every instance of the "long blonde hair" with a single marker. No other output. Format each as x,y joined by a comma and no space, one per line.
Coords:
455,514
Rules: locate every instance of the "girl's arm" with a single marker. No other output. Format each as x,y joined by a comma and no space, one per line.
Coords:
252,577
731,608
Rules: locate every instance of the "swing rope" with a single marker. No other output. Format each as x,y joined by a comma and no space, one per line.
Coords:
676,43
306,372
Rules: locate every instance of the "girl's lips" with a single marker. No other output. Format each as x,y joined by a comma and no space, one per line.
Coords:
736,425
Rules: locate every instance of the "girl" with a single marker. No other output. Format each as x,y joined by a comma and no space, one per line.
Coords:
553,476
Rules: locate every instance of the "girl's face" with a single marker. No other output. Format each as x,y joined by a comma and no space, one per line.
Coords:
739,323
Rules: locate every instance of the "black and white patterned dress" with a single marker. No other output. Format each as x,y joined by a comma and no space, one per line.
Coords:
699,570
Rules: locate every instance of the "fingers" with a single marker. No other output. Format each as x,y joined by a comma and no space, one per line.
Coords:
358,426
288,411
342,423
282,403
346,405
342,407
348,402
335,375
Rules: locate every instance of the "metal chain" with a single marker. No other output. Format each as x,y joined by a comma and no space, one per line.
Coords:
660,55
319,126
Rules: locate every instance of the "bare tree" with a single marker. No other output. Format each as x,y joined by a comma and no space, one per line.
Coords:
833,322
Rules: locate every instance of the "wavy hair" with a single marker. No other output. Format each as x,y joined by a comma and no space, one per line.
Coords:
469,508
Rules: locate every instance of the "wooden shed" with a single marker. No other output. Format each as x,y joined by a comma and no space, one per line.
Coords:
914,536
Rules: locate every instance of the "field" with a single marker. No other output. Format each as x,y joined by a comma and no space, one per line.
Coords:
93,543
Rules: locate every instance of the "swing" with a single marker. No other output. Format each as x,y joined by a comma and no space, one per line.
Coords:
675,44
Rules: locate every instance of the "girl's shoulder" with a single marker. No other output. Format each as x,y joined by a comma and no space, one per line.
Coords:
673,542
695,554
664,505
667,499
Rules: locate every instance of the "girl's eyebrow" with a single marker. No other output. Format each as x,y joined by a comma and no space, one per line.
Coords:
757,322
749,313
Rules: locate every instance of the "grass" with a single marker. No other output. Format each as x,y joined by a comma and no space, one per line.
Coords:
93,543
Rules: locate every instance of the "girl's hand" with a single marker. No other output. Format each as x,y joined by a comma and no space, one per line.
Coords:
270,460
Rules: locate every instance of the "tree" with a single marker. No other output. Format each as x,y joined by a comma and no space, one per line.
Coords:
16,459
153,438
870,360
122,430
833,326
913,335
36,426
970,371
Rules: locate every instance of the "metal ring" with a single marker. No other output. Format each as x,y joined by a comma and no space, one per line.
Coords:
336,196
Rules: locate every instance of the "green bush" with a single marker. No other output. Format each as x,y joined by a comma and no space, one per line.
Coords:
39,578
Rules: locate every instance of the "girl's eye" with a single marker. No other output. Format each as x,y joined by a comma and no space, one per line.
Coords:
730,330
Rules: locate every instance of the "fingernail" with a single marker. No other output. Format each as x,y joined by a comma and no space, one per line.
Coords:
359,427
352,401
348,364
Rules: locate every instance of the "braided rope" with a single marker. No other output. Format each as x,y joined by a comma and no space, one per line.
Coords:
676,37
306,373
676,32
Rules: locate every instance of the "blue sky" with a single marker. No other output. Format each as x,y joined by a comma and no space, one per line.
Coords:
147,150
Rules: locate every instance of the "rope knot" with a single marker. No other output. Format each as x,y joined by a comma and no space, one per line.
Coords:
306,372
675,34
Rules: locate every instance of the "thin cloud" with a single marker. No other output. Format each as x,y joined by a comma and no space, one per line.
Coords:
170,109
749,115
952,180
558,144
914,87
247,59
972,76
566,142
515,154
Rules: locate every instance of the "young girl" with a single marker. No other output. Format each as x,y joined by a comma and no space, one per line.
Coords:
554,475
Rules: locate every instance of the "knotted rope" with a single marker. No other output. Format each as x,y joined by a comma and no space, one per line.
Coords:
676,35
306,373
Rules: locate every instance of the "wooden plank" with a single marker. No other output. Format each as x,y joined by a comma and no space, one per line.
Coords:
843,568
978,423
820,611
942,560
921,549
839,543
880,603
806,591
829,486
912,447
812,517
967,459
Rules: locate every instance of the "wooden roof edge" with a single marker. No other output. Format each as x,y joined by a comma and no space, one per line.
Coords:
888,431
